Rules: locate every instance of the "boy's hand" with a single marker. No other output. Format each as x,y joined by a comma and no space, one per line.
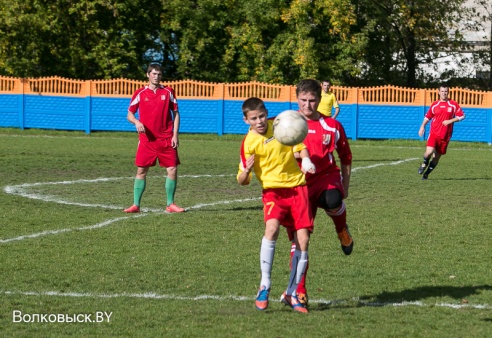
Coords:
250,162
307,166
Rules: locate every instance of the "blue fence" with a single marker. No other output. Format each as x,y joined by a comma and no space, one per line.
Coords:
88,114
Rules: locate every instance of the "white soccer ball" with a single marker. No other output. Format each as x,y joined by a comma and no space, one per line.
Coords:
290,127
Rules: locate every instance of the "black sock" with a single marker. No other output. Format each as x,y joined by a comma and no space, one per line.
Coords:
426,161
432,166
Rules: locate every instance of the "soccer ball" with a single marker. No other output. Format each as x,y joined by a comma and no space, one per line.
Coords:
290,128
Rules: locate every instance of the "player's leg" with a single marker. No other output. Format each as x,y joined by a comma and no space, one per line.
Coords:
302,293
138,189
429,151
302,218
301,287
432,165
267,251
145,158
298,267
441,147
171,183
168,157
331,201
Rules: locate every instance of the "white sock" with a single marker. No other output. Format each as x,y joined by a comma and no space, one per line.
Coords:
301,266
266,260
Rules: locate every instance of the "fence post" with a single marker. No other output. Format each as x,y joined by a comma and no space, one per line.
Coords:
220,108
87,106
355,113
21,100
488,104
292,97
422,111
288,99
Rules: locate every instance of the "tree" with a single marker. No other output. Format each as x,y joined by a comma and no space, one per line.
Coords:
481,22
298,39
275,41
196,33
406,34
87,39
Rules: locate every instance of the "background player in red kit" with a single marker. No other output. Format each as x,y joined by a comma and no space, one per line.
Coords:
157,128
329,185
443,113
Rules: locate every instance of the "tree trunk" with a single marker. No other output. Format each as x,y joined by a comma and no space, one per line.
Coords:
411,59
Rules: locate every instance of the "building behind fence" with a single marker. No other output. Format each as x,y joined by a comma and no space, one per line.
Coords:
371,113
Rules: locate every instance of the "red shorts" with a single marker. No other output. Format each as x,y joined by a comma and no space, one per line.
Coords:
316,186
441,145
289,206
150,151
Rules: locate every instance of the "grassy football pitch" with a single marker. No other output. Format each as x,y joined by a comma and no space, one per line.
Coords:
73,264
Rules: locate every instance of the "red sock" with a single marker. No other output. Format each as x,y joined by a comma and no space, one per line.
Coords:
339,217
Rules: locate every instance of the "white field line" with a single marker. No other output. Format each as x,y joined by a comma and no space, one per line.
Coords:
385,164
487,147
110,221
89,138
23,190
61,231
152,295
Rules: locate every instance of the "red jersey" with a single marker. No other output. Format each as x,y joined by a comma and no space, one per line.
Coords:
440,111
325,136
155,109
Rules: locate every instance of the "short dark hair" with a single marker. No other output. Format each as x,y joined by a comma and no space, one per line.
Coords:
309,86
253,103
154,66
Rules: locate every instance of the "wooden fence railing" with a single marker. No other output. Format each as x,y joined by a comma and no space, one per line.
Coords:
232,91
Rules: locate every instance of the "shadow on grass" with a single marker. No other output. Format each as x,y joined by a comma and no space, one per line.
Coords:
412,295
459,293
464,179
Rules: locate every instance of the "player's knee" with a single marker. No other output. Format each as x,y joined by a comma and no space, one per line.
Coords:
331,199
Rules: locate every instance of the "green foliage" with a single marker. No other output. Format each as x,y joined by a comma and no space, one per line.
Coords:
292,41
403,35
83,39
481,24
420,266
350,42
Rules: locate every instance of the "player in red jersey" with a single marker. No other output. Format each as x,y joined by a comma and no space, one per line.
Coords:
443,113
157,128
329,185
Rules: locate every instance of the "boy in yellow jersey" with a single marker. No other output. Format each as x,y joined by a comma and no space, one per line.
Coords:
328,100
284,196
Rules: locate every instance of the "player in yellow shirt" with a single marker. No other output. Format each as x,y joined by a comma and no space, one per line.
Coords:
328,100
284,196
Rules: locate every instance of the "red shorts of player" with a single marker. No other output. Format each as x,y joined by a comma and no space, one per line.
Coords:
441,145
318,184
150,151
290,207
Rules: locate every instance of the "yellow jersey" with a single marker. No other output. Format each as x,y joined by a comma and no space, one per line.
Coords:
275,165
327,103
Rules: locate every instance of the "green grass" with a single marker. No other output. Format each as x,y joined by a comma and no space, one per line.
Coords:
420,266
